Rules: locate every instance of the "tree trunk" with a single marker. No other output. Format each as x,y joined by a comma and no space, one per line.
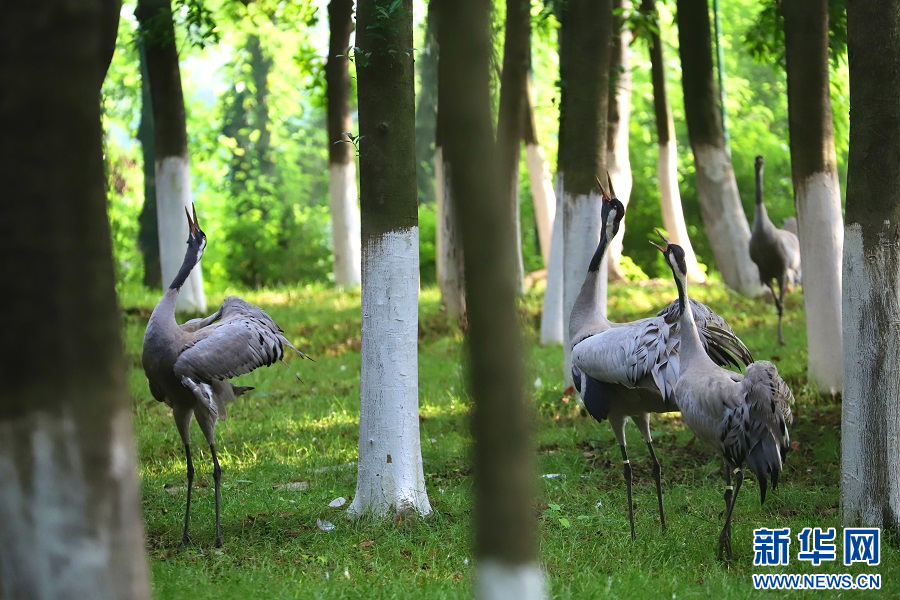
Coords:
148,234
720,203
505,538
70,516
390,480
426,110
341,160
870,422
667,163
173,179
586,29
543,196
450,270
513,87
552,321
617,161
817,193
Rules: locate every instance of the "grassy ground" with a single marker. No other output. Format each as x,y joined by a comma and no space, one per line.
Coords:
288,450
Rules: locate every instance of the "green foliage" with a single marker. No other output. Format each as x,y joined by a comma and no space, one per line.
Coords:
428,243
764,39
306,434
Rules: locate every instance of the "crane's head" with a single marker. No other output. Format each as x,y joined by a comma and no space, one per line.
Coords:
760,163
674,255
611,211
196,238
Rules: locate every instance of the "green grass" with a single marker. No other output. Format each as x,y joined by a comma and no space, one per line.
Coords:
291,431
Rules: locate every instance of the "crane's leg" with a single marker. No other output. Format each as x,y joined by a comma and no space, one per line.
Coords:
657,477
627,472
183,423
780,306
725,536
217,479
729,489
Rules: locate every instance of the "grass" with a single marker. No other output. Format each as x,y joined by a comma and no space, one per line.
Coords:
288,449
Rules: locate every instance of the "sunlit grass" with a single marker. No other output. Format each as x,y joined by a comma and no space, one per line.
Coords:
289,448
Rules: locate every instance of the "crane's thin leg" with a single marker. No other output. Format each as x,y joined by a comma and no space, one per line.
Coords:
780,307
627,464
186,539
217,479
729,489
725,536
657,476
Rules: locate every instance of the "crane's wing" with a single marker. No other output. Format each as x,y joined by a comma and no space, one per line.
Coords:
638,354
196,324
243,339
756,431
720,342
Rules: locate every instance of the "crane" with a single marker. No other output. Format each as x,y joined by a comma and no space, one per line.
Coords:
776,252
188,366
627,370
744,418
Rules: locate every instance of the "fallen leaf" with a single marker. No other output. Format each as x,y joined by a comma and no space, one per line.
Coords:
324,525
367,543
338,502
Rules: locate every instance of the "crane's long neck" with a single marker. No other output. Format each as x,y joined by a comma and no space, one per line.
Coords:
191,258
163,316
761,216
691,346
585,311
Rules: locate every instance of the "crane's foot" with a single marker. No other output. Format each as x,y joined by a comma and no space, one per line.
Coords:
724,554
219,542
185,540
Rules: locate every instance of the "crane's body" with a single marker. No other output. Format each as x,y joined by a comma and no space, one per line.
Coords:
627,370
744,418
188,366
776,252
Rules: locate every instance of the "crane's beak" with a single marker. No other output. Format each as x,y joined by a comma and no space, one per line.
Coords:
606,197
664,238
657,246
193,225
612,192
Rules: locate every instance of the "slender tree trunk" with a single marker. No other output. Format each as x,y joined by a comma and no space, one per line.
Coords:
870,423
70,516
543,196
341,160
260,67
450,270
667,162
552,322
513,88
148,234
390,480
817,193
618,162
720,203
505,539
173,178
426,110
586,29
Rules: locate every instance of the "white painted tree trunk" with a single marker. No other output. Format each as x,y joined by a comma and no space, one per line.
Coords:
552,313
390,479
672,212
517,220
581,235
498,581
69,531
344,223
451,278
543,197
821,247
173,196
870,417
724,219
617,159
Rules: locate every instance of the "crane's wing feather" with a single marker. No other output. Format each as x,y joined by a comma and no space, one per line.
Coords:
720,342
243,339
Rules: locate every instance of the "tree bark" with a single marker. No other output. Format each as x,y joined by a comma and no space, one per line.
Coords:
586,29
390,480
513,82
70,516
505,540
148,234
345,232
173,178
720,203
543,196
870,424
667,163
552,321
817,193
618,162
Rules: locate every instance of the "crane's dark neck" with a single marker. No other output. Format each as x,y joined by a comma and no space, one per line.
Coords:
190,261
759,186
594,266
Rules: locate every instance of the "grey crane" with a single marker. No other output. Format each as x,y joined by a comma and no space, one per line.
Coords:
627,370
188,366
776,252
742,417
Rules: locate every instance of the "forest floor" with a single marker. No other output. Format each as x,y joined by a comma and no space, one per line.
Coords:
288,449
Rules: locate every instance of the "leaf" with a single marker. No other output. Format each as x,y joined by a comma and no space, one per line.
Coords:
338,502
367,543
324,526
564,522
